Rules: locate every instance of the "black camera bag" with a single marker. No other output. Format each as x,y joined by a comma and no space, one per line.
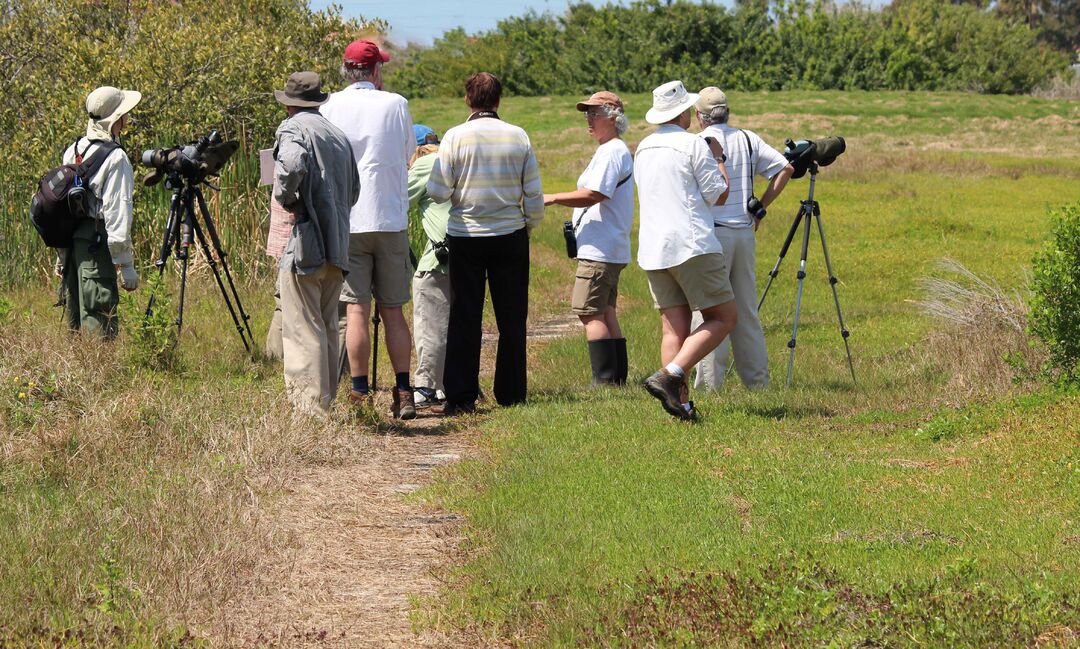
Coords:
63,197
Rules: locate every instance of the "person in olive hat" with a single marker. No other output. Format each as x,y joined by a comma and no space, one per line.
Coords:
315,179
101,244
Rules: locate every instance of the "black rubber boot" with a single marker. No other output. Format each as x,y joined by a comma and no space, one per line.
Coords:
603,359
621,367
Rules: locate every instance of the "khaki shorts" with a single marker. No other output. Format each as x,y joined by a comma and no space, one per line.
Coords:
699,282
378,264
596,287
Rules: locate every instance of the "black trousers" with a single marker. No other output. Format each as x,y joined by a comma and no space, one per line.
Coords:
503,262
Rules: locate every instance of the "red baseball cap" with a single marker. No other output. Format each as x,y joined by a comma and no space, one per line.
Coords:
365,54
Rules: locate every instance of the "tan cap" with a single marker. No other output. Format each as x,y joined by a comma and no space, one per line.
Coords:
602,98
710,98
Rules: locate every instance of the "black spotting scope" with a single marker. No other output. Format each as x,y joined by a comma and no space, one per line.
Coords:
802,153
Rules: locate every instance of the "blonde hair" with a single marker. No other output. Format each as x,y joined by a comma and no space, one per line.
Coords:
421,151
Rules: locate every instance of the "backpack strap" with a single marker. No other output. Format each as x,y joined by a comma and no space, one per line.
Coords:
89,167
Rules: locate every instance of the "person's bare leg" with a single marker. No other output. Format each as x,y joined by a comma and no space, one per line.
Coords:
398,338
612,322
675,322
358,337
719,321
596,327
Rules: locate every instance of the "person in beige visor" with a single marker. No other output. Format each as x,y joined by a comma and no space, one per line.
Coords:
102,243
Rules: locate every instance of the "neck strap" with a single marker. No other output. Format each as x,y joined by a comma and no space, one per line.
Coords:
482,113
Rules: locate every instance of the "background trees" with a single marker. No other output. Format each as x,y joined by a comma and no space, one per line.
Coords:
785,44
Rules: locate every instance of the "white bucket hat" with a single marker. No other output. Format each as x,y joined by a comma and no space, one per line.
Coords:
669,101
106,105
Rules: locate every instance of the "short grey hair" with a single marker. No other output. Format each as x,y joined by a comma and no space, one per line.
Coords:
718,115
355,74
622,123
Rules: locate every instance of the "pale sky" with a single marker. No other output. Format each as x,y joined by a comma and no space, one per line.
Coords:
423,20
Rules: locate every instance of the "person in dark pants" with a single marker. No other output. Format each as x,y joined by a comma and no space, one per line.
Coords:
486,168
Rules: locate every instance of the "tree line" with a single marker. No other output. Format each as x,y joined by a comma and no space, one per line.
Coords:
758,45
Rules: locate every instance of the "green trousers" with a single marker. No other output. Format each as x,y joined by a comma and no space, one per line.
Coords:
90,287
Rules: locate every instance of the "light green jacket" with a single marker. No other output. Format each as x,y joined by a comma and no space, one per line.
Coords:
435,215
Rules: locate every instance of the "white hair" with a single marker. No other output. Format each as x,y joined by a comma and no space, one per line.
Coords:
354,73
718,115
616,113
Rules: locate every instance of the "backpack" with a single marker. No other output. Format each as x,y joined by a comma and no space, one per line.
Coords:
63,197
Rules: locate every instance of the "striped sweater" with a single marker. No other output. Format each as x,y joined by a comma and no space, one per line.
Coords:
486,168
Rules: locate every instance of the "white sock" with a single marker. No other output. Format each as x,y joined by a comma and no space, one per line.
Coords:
675,369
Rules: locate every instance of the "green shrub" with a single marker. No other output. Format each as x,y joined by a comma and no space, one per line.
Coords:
1055,307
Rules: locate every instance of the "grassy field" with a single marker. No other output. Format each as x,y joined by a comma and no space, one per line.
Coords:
933,504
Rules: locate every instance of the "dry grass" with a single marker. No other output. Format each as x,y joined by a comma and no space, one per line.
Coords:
982,341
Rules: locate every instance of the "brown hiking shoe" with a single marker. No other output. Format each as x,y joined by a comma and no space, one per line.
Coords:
404,404
668,388
359,398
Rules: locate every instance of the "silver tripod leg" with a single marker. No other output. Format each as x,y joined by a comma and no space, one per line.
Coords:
798,295
836,298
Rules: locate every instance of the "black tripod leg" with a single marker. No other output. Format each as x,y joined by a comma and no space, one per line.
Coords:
183,252
216,240
798,295
208,253
169,239
836,298
783,251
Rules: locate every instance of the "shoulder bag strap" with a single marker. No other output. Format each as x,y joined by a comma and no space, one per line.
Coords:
617,185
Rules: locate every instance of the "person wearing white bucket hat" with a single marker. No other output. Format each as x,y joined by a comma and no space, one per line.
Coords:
679,177
103,242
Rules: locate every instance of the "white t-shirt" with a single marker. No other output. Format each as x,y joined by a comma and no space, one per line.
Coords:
766,162
380,131
603,230
677,179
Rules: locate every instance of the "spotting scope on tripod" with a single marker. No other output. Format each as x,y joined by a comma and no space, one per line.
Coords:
184,169
806,156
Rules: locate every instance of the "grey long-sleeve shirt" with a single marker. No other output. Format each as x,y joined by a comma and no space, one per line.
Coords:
316,178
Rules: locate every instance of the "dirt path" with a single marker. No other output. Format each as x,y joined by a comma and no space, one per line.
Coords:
356,552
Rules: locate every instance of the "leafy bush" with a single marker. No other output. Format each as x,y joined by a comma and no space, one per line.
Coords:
1055,285
199,64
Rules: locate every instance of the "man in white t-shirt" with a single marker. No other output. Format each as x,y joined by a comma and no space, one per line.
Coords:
679,176
603,215
380,131
736,222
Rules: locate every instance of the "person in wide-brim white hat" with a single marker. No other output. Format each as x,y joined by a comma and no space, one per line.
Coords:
102,243
680,176
669,101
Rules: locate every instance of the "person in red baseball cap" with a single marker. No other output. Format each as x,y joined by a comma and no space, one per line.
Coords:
380,130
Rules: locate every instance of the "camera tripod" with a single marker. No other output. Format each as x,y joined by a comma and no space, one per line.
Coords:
809,210
181,231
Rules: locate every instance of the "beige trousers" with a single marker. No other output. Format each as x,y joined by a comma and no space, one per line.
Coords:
431,318
747,340
309,336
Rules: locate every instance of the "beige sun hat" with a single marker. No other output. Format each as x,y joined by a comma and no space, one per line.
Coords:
669,101
106,105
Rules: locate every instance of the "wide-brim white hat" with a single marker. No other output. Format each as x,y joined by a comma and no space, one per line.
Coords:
107,104
669,101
